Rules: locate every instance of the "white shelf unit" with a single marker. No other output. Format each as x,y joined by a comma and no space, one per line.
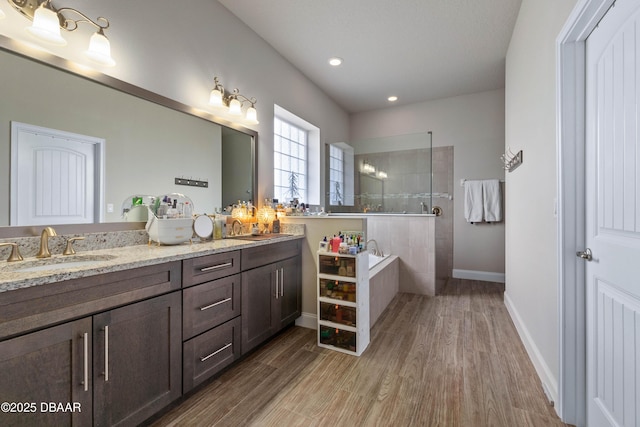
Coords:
343,301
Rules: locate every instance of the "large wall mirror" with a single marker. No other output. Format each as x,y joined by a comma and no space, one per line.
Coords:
149,140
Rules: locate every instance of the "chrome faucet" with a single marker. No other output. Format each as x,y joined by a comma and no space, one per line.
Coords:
376,250
44,242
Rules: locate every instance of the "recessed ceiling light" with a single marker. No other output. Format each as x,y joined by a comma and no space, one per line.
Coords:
392,98
335,61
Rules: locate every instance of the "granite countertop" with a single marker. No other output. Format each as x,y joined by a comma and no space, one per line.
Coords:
94,262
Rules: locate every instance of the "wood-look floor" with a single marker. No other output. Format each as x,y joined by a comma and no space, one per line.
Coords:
451,360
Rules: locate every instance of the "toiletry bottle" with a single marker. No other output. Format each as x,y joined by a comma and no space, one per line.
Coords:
188,211
342,271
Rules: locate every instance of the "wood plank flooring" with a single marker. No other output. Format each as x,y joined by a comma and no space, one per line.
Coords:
450,360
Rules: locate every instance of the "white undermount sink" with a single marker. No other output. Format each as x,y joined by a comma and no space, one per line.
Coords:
59,263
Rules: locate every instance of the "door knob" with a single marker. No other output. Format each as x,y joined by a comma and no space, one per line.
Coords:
586,254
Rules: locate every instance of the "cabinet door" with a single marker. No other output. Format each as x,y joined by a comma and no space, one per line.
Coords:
290,290
137,360
258,295
52,365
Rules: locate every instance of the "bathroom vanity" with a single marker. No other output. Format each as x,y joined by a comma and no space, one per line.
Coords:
117,341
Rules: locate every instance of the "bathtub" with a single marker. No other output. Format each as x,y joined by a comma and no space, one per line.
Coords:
375,260
384,283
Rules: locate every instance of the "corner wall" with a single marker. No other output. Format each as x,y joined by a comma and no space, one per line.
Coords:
474,125
531,237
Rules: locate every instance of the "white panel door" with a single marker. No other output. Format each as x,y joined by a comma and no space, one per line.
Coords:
613,218
54,176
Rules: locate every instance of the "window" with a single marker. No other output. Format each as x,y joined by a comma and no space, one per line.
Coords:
336,175
290,149
339,172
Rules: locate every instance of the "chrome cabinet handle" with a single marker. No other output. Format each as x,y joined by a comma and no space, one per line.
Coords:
282,282
277,281
586,254
106,354
202,359
206,307
85,369
215,267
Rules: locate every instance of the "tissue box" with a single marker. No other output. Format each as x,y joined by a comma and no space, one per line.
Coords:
171,231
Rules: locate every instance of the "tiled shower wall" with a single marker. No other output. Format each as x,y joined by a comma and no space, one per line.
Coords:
405,188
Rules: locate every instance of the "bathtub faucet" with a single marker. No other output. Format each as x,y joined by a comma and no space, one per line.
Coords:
376,250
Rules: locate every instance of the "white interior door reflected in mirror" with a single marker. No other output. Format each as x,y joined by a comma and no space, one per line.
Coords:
55,176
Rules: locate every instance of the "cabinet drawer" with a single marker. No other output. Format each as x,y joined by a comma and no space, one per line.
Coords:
207,354
267,254
210,304
209,267
35,307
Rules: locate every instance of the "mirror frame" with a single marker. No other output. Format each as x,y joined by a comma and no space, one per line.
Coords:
45,58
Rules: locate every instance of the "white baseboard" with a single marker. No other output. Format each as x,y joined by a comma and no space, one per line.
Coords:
549,382
307,320
485,276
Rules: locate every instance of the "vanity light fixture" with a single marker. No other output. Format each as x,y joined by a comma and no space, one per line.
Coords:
233,102
48,20
368,168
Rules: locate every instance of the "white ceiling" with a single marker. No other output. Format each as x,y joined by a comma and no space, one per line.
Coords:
416,49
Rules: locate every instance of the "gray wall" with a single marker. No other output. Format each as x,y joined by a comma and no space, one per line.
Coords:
531,236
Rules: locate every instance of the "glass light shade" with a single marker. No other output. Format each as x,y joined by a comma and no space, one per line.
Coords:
382,174
2,15
266,214
215,98
238,212
252,115
46,26
235,107
100,50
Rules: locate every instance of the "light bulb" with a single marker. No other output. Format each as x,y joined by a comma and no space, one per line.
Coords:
46,26
215,98
235,107
100,50
252,115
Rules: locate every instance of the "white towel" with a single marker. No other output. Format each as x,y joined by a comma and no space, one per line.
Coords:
473,206
492,200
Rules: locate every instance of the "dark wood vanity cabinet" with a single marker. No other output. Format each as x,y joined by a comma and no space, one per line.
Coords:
121,346
138,344
271,291
52,365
